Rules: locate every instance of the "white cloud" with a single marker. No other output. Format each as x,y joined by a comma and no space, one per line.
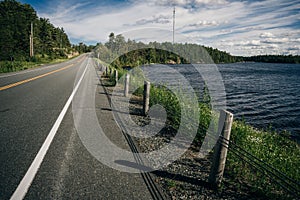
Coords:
161,19
184,3
239,27
251,43
266,35
276,40
205,23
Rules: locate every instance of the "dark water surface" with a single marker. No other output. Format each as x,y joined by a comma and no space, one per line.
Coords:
264,94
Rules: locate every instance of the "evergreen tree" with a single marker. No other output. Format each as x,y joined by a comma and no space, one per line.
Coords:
16,20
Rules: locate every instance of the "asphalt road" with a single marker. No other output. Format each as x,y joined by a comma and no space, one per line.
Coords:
28,111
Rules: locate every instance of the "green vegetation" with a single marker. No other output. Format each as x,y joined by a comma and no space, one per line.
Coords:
16,19
8,66
13,66
171,184
50,43
122,53
274,59
275,149
82,48
131,53
173,102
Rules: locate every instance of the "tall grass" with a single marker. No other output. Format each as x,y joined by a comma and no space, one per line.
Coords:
111,71
275,149
14,66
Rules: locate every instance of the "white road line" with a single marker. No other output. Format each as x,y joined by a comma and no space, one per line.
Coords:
24,185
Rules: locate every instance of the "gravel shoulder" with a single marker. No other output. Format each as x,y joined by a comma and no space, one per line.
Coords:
186,178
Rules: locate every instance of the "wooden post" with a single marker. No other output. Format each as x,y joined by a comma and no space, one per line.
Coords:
31,40
116,76
146,97
221,148
126,88
99,66
111,72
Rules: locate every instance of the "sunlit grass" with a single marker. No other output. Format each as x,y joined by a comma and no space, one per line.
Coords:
275,149
14,66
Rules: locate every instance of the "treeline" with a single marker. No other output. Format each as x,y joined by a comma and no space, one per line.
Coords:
122,53
274,59
83,48
49,42
132,53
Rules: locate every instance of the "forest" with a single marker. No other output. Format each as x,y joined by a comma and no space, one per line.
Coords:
128,53
49,42
121,52
274,59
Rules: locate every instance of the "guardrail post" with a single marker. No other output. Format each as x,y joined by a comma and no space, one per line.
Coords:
221,148
111,72
146,97
126,87
116,76
106,71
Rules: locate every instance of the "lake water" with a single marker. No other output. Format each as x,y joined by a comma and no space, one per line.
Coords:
263,94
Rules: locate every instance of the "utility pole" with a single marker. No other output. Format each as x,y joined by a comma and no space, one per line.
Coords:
174,25
31,41
60,40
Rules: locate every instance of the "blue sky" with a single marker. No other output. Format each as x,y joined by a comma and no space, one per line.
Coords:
239,27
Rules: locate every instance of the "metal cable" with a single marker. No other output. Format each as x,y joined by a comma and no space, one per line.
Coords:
260,165
254,157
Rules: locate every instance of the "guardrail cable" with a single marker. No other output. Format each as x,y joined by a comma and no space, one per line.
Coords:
279,178
262,167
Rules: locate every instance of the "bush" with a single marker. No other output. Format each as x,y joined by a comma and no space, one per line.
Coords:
10,66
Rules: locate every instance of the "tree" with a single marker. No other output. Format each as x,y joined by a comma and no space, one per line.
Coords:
15,21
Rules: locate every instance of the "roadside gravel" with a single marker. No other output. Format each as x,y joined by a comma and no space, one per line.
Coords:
186,178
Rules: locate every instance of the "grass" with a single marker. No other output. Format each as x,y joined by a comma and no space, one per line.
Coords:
8,66
111,75
275,149
171,184
14,66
